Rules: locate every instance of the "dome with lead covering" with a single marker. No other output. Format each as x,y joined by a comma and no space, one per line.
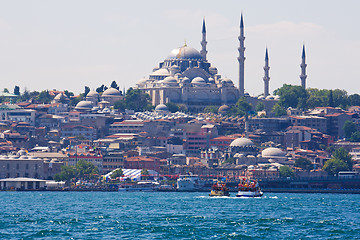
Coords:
241,142
111,92
161,107
84,105
186,53
273,152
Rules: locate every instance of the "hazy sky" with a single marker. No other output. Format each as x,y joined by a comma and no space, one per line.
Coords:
67,44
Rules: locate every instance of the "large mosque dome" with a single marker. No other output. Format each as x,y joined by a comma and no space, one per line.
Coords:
185,52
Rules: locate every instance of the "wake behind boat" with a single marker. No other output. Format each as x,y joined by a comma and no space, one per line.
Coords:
249,188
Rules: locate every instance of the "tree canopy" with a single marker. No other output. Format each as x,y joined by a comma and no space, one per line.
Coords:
304,163
340,161
292,96
286,171
83,169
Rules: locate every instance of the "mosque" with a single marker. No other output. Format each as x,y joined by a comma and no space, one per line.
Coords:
186,77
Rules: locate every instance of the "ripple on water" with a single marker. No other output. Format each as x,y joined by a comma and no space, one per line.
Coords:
113,215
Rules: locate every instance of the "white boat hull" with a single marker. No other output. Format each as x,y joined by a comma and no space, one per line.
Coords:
249,194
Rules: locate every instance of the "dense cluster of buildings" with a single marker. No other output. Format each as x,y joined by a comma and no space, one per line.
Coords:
37,139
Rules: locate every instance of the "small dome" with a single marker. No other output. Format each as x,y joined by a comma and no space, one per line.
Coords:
111,92
227,80
186,80
223,109
276,97
141,81
84,105
241,142
169,81
261,97
161,107
272,152
246,94
198,81
160,72
211,80
269,97
61,96
92,94
185,52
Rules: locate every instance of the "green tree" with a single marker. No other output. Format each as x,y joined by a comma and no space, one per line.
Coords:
278,110
304,163
85,169
331,99
117,173
6,90
67,173
355,137
241,108
17,90
349,128
343,155
86,91
44,97
292,96
260,107
182,108
210,109
137,100
100,89
334,166
120,104
145,173
286,171
114,85
172,107
68,94
354,100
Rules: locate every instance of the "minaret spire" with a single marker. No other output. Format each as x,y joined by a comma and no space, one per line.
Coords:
241,58
203,42
266,74
303,66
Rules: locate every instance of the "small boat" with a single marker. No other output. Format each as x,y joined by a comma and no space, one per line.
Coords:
249,188
219,189
188,183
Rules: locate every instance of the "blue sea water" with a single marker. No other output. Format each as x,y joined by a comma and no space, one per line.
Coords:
173,215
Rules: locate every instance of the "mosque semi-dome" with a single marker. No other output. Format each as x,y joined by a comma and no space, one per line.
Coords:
198,81
185,52
111,92
273,152
169,81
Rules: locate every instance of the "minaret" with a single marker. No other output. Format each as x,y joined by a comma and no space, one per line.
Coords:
203,42
303,65
266,74
241,57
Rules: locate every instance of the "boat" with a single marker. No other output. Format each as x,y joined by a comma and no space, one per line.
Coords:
144,186
166,188
189,183
219,189
249,188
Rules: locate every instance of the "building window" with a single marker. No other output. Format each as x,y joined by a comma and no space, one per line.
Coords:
17,166
27,166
